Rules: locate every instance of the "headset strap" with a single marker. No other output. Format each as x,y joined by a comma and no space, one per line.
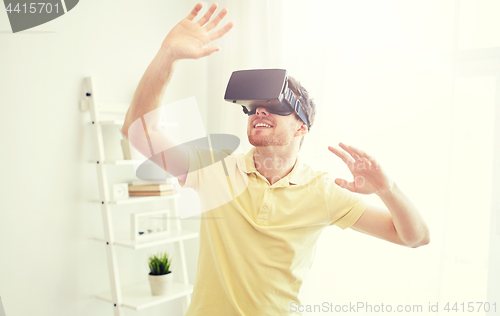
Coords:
295,104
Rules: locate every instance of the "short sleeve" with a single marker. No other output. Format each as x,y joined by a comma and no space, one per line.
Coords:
209,176
201,158
195,163
343,206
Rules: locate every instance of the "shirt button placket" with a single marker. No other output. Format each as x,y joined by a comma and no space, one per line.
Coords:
264,210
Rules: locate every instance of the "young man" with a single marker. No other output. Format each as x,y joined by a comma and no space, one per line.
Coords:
256,246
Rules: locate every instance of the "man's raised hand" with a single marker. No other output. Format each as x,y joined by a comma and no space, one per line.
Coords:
189,39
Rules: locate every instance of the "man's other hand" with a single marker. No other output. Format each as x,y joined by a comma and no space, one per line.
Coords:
367,174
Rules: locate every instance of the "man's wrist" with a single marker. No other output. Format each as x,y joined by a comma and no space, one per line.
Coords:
387,192
167,54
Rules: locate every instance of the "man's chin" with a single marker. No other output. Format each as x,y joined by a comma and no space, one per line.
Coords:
258,141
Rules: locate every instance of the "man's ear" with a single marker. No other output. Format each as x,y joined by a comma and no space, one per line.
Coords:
302,130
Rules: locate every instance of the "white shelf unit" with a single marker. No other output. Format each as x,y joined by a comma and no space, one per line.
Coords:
136,296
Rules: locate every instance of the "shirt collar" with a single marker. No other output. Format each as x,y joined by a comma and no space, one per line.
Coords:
294,177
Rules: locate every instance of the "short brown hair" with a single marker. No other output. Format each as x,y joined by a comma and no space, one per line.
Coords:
307,104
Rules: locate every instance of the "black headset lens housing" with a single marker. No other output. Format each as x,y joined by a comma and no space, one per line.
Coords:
263,88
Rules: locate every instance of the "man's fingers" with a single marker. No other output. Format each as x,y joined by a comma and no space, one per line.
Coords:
209,51
343,155
346,185
215,22
358,152
194,12
362,155
372,160
221,32
206,17
348,149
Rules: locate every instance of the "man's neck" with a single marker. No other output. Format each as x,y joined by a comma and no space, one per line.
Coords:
274,163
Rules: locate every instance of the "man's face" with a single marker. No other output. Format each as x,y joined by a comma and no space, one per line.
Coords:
266,129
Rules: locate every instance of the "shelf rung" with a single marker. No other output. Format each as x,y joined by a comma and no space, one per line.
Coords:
171,237
140,199
120,123
118,162
139,297
122,162
112,122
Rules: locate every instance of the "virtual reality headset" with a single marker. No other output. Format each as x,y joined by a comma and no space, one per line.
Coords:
266,88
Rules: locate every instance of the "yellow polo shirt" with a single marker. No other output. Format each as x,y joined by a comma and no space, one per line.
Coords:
257,247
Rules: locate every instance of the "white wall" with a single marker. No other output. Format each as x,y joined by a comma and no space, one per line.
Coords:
381,74
48,264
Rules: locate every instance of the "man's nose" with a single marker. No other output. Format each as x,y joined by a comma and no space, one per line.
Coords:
261,111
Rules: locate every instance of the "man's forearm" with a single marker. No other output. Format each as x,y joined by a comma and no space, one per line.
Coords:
151,89
409,224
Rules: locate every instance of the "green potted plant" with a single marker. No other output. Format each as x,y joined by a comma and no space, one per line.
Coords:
160,276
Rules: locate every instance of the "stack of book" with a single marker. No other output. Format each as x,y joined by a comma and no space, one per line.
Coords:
150,188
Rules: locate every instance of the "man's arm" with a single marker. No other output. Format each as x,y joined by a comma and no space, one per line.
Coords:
187,40
401,223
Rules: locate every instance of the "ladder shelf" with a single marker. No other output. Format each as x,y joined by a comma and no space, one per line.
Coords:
135,296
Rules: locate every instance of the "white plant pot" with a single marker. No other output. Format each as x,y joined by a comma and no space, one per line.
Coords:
160,284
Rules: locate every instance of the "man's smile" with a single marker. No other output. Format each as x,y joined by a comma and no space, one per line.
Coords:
262,125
